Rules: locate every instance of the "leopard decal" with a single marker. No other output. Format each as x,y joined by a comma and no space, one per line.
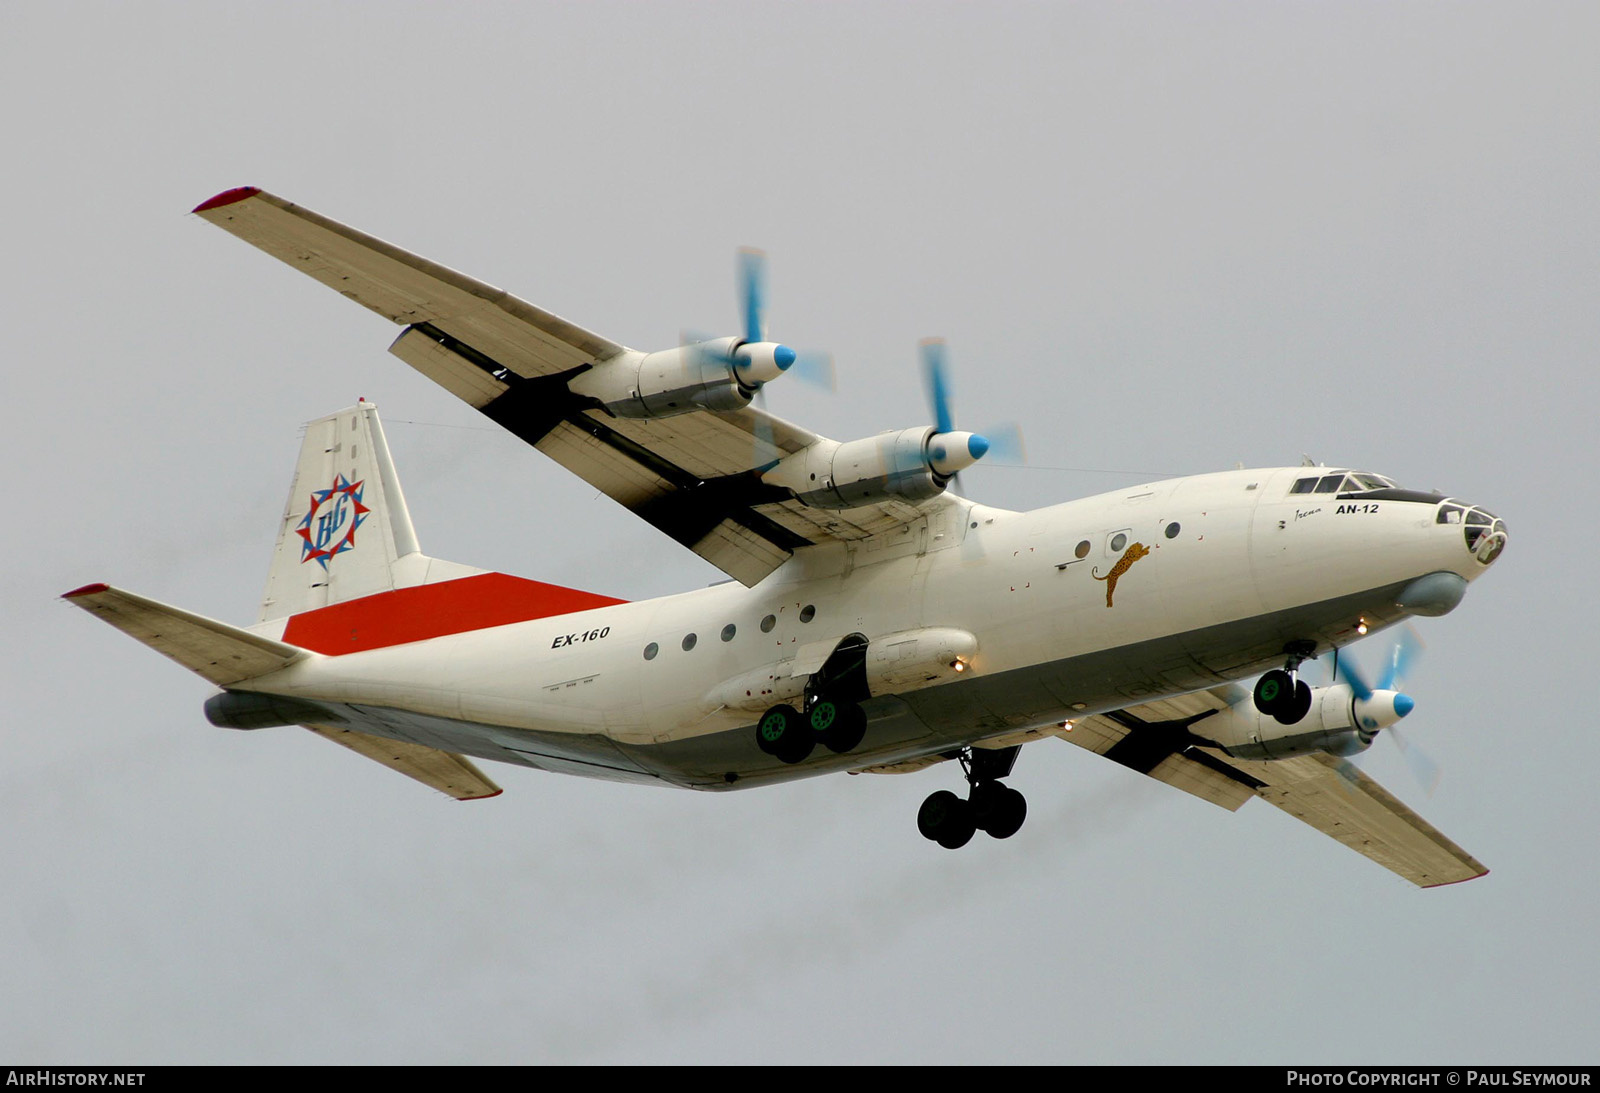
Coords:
1133,554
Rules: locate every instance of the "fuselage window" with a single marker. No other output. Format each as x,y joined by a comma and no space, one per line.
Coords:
1118,541
808,612
768,623
1082,550
1172,530
688,642
728,631
651,650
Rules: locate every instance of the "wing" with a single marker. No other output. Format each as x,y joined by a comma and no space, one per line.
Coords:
694,476
1328,793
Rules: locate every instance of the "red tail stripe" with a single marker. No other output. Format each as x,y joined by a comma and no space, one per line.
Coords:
434,610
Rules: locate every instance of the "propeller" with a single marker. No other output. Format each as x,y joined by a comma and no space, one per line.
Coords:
1381,707
753,359
812,367
949,449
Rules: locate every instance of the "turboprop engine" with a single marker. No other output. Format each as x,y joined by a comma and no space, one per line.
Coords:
723,374
908,465
717,374
1340,722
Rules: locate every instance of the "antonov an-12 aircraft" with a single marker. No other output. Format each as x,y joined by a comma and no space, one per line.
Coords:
875,621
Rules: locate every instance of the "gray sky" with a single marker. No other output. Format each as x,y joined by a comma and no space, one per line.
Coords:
1163,238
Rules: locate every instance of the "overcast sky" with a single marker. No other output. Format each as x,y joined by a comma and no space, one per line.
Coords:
1164,238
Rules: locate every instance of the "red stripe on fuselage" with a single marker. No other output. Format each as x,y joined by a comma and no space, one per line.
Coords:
432,611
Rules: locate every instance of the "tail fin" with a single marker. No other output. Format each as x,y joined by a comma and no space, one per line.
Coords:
346,532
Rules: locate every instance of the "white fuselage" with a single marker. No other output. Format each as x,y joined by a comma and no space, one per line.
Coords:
1206,552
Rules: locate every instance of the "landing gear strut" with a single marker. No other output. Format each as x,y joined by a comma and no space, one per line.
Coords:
991,806
1281,693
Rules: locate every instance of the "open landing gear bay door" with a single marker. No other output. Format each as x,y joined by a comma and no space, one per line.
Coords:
1328,793
694,476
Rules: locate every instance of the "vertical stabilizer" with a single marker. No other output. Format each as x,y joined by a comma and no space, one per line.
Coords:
345,532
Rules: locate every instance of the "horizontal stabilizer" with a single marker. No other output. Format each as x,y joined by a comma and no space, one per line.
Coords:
221,653
453,775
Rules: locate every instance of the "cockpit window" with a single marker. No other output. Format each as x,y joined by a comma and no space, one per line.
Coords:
1341,483
1448,514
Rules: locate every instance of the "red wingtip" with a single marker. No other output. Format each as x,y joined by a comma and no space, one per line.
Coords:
86,590
227,197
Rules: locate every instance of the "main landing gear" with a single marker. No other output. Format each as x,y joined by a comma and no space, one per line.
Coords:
990,807
1281,693
832,715
788,734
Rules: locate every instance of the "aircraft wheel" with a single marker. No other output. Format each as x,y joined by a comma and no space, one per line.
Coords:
1274,691
1006,812
1296,705
946,819
783,733
839,725
986,799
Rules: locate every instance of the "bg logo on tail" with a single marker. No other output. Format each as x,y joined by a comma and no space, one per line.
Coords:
330,524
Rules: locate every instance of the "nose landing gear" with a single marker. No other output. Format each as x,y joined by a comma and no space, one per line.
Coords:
991,806
1281,693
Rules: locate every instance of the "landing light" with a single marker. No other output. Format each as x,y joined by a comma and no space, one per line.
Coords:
959,665
1361,627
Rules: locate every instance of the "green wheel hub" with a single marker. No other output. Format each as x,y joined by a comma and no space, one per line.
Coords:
772,727
823,715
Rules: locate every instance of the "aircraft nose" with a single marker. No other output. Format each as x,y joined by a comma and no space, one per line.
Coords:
1483,532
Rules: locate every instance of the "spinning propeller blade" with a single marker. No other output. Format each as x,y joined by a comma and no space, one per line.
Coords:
1402,656
950,449
934,373
753,293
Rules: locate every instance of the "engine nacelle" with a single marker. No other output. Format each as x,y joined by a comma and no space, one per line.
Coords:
681,380
1337,723
890,466
721,375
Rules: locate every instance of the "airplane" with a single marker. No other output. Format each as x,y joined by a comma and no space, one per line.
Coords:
874,621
